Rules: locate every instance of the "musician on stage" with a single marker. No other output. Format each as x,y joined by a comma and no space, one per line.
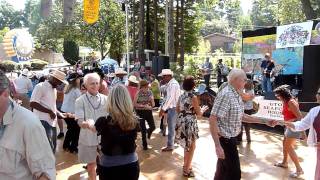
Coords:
267,71
206,70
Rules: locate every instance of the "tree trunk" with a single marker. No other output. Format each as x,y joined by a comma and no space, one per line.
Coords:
134,12
148,26
182,38
141,33
308,10
171,31
176,32
156,46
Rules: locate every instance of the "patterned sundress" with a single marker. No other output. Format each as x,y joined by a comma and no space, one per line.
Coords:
187,127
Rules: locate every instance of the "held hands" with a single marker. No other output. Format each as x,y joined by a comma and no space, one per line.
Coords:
204,109
220,152
161,113
52,115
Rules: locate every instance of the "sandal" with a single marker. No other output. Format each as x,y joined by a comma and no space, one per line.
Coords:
281,165
189,173
296,174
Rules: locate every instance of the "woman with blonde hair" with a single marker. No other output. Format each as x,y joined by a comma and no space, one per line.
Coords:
118,131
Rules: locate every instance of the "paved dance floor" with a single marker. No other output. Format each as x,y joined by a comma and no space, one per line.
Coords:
257,158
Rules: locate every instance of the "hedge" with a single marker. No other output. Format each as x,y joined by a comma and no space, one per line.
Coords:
8,65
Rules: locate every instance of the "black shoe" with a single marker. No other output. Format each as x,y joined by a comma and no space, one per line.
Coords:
145,148
60,135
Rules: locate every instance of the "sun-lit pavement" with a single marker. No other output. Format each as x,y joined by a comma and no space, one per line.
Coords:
257,159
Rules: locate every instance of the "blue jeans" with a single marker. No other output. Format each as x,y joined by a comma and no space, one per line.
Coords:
266,84
171,126
51,135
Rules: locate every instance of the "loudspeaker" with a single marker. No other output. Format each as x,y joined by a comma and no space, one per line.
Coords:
159,63
310,77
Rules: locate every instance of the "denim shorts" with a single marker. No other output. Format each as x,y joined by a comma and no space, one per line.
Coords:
292,134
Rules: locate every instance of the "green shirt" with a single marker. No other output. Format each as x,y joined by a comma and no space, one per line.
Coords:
155,88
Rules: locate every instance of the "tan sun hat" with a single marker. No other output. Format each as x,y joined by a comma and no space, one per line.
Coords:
166,72
120,71
133,79
59,76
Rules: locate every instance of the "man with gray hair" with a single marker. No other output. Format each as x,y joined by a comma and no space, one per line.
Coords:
225,125
89,107
21,135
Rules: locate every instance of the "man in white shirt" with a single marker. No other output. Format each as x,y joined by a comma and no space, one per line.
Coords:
23,85
43,102
89,107
169,105
24,149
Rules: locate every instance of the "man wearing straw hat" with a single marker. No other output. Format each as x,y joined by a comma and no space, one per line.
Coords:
170,103
24,149
43,103
120,74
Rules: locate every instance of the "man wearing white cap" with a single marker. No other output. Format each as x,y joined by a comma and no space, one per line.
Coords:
43,103
120,74
23,86
170,103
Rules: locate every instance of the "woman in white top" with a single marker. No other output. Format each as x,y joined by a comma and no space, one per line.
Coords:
71,93
312,122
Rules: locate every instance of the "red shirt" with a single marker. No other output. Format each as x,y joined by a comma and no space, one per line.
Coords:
132,91
287,114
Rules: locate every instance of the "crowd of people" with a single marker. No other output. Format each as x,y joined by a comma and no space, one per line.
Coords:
104,117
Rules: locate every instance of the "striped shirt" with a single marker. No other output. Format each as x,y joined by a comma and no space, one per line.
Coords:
228,108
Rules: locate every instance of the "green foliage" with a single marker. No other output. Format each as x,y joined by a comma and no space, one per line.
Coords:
264,13
9,17
71,52
3,33
9,65
286,13
38,64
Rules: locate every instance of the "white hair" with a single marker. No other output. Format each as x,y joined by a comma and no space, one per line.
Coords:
89,76
236,73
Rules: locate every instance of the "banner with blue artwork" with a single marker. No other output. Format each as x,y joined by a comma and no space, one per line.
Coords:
288,60
294,35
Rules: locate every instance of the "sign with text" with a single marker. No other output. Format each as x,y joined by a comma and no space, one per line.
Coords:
91,11
269,109
294,35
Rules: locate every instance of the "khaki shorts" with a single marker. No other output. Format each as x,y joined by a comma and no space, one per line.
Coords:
87,154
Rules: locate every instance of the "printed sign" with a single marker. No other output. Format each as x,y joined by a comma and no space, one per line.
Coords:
269,109
91,11
294,35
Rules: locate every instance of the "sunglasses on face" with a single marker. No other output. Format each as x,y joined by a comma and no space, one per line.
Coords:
318,93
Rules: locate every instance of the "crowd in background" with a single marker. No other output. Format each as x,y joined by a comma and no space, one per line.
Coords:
104,116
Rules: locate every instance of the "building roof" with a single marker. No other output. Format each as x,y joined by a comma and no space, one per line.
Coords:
221,35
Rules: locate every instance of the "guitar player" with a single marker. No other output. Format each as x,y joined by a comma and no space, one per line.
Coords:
267,70
206,71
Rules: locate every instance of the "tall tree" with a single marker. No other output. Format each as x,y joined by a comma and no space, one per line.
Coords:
182,40
134,37
308,9
141,32
177,30
264,13
171,31
155,28
148,25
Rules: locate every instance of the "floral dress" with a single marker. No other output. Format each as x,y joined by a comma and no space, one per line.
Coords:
187,127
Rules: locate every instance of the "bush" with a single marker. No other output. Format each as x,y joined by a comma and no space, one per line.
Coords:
8,65
71,52
38,64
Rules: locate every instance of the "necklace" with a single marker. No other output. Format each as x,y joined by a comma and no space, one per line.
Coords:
95,108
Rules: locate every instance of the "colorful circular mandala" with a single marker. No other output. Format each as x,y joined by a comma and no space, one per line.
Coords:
18,44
